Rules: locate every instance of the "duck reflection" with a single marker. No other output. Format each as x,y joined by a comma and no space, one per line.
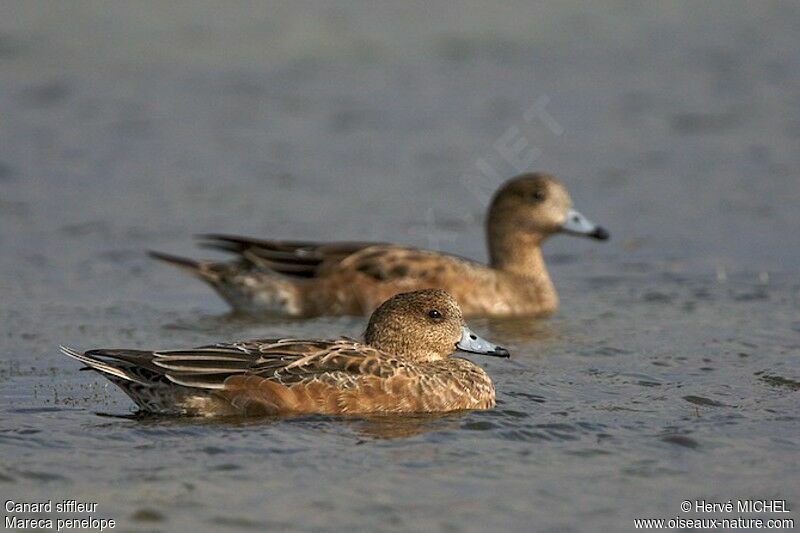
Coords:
515,330
401,427
384,427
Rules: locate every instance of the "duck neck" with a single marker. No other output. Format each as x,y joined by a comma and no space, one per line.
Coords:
519,253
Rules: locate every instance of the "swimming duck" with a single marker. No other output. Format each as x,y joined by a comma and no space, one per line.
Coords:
304,279
404,365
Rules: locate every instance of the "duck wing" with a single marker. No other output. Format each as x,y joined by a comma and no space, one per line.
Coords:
293,258
389,263
284,361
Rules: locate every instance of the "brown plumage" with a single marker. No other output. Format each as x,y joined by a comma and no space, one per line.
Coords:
403,366
352,278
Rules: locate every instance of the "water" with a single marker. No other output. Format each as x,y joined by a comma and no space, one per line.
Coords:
671,371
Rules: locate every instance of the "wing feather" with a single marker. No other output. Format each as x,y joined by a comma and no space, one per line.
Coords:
284,361
292,258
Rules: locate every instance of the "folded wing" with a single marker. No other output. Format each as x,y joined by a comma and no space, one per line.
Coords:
302,259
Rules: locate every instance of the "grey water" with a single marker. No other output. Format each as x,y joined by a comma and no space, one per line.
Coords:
670,372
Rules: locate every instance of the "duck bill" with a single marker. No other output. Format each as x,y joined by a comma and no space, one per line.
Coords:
472,343
577,224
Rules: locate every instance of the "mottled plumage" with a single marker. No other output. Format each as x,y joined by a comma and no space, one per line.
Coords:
352,278
402,367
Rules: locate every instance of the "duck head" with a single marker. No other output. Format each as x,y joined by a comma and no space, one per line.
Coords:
528,209
425,326
538,204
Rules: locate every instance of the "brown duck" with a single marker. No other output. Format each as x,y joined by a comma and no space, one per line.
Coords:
352,278
404,366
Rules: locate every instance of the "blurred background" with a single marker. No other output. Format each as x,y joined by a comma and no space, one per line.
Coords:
126,126
142,122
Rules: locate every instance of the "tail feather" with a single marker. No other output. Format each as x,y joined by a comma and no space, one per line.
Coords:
147,385
215,242
181,262
204,270
248,284
96,363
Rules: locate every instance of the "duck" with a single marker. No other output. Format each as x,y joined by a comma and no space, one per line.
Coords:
307,279
405,364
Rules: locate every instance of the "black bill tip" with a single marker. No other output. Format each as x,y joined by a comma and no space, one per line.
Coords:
600,233
500,352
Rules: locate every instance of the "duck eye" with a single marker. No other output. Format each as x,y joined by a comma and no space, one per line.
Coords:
434,314
538,195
